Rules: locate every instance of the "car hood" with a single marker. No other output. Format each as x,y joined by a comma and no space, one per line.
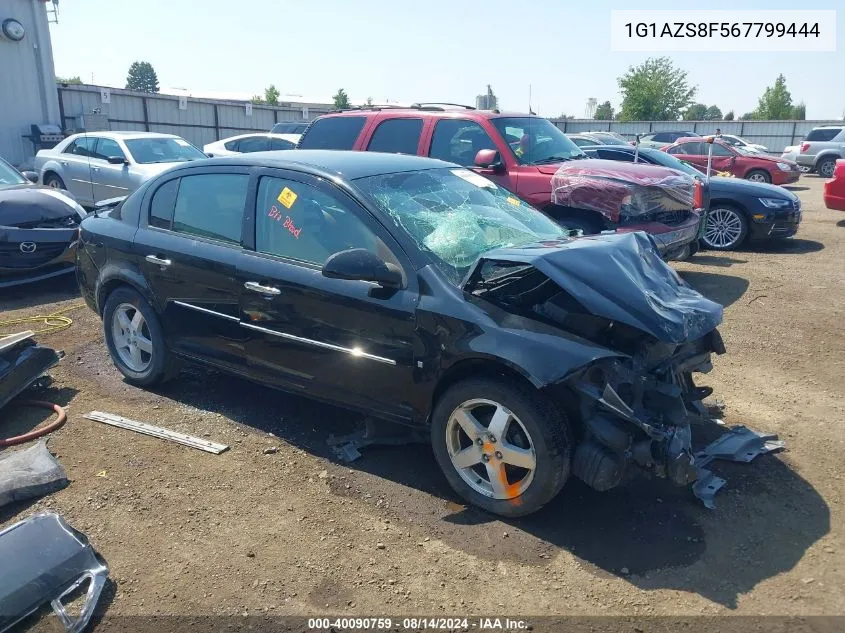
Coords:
620,277
771,159
28,206
749,188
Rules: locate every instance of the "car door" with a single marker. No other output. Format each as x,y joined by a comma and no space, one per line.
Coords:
349,342
187,245
76,168
723,158
109,180
692,152
397,135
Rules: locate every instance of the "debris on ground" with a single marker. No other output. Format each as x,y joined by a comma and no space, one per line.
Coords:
48,574
157,431
28,473
22,362
372,432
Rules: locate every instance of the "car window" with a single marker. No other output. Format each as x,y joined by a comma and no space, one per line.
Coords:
397,136
458,141
232,146
83,146
300,222
254,144
336,132
689,149
9,175
163,203
721,150
107,148
280,143
823,134
580,141
647,137
610,154
211,205
609,139
289,128
662,137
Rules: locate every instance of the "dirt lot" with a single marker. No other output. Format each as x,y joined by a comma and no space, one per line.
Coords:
296,532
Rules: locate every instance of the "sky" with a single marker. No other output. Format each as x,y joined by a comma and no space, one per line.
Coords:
438,50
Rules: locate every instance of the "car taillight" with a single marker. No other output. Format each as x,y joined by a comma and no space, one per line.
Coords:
804,147
698,196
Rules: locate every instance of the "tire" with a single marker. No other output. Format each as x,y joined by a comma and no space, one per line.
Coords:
759,175
54,182
156,362
587,226
727,228
826,167
536,431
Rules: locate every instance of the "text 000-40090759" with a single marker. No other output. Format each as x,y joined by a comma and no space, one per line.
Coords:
723,31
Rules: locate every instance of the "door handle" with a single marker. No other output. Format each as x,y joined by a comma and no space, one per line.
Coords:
265,290
158,261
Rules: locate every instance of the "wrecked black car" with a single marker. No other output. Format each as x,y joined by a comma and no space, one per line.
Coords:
39,229
420,293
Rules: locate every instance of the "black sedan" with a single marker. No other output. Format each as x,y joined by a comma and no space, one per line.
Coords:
39,228
420,293
738,210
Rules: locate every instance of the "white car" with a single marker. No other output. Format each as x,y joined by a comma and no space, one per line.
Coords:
255,142
736,141
791,153
95,166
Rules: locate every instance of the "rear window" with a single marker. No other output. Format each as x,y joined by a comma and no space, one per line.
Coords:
823,134
397,136
337,132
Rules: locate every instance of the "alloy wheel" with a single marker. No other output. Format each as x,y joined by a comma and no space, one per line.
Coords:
827,168
490,449
724,228
757,177
131,336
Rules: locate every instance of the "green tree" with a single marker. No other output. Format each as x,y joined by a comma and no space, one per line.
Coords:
604,112
696,112
369,101
776,102
729,116
799,112
142,77
748,116
714,113
71,81
341,99
654,91
257,100
271,95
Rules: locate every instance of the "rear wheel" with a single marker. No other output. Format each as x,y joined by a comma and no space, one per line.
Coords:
726,228
826,167
758,175
502,447
54,182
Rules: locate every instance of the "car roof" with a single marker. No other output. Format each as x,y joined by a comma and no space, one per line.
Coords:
350,165
124,135
286,136
430,112
694,139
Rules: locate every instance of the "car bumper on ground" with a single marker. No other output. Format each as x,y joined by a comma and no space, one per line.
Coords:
673,241
54,255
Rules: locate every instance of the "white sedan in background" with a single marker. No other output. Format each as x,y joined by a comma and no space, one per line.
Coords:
255,142
736,141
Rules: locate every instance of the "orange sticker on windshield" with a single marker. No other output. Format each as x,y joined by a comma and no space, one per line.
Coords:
287,198
513,201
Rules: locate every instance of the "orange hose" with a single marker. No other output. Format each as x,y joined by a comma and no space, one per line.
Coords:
61,418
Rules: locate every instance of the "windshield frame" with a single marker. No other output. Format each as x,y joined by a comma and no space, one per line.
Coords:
4,167
685,167
130,141
500,124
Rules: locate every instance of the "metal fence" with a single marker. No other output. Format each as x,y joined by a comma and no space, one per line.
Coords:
199,121
776,135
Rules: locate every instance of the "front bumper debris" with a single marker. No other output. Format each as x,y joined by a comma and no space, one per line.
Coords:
47,574
22,362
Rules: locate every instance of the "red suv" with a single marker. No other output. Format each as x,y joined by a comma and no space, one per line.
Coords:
521,153
738,161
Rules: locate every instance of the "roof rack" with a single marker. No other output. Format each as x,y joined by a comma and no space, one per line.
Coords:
437,105
370,107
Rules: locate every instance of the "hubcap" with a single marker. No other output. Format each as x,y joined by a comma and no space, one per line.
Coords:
724,228
757,178
131,336
490,449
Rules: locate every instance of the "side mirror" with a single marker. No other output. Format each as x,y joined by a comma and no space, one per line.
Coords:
362,265
117,160
210,154
31,176
489,159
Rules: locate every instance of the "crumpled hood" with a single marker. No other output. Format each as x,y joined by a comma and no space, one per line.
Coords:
619,277
27,205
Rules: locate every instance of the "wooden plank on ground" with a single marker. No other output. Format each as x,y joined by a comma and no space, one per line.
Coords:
156,431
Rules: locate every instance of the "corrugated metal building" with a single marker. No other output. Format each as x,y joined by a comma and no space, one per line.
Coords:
27,78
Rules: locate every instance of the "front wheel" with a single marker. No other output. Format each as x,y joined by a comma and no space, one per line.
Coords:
135,339
725,230
759,175
502,447
54,182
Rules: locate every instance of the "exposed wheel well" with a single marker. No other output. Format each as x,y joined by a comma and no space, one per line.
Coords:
49,173
475,368
109,287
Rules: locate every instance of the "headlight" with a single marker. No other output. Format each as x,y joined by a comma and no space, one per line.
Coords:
775,203
784,167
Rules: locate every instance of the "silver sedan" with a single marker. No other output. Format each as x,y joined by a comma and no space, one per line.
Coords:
97,166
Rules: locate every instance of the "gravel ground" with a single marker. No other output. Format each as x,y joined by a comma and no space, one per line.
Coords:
292,531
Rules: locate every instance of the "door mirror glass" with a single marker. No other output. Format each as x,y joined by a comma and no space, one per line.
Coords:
362,265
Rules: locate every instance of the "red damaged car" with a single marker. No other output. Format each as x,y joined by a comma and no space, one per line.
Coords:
523,154
834,189
738,161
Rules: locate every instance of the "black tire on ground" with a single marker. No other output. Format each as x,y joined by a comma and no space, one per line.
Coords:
52,180
543,421
728,217
825,167
162,365
759,175
587,226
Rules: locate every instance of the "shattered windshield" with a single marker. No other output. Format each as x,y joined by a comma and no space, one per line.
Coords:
536,141
455,215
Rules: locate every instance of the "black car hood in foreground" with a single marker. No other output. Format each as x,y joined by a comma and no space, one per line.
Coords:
26,206
619,277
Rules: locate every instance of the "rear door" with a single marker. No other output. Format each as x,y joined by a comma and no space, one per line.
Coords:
349,342
397,135
723,158
76,168
333,132
188,243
